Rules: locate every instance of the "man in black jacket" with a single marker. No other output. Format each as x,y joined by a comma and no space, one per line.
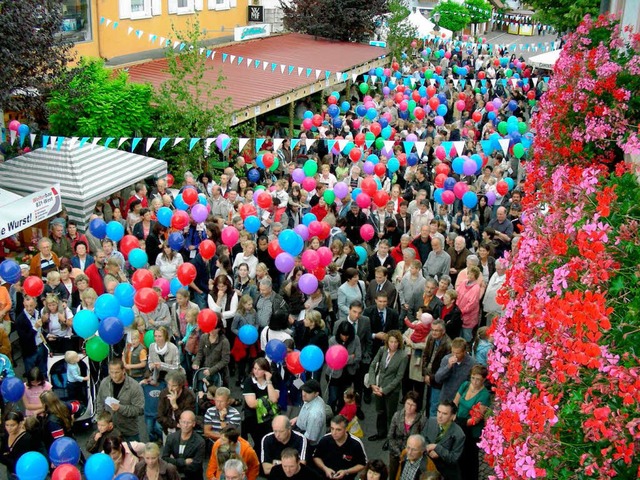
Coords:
355,219
185,448
32,346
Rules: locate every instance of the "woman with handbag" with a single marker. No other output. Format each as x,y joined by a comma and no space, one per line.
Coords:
260,402
385,377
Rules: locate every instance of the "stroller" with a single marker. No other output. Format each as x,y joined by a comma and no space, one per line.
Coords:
57,372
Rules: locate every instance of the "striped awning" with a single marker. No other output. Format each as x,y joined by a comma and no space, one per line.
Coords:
86,174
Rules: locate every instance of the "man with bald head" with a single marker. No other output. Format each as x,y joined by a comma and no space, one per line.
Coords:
413,459
185,448
280,438
504,231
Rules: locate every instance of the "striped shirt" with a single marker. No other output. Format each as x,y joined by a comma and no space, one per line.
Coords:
232,419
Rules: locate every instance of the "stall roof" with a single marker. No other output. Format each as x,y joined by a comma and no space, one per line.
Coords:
545,60
86,174
251,88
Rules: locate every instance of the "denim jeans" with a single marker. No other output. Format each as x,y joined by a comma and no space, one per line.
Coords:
434,399
38,359
153,429
200,299
467,334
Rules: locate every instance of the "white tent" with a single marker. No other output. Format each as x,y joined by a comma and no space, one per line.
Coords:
425,27
545,60
85,174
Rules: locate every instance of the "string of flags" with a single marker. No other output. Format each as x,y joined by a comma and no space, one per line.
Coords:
223,142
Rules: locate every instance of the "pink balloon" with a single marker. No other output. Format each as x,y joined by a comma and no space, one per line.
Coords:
325,256
460,105
366,231
309,184
163,285
307,124
315,230
356,124
459,189
363,200
230,236
448,197
310,259
14,125
441,153
336,357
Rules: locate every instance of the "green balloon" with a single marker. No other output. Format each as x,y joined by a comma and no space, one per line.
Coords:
275,165
97,350
364,87
369,137
148,338
379,143
502,128
329,197
518,150
532,103
522,128
310,168
412,105
259,187
428,74
508,72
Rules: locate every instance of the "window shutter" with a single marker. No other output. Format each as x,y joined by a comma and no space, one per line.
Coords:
173,6
125,8
211,4
233,3
156,7
199,5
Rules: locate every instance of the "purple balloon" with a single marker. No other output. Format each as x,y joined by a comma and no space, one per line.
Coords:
491,198
341,190
386,91
308,283
387,152
285,262
497,103
412,137
298,175
199,213
220,140
302,230
368,167
469,167
439,121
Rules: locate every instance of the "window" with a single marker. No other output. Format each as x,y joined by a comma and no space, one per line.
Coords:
221,4
182,7
138,9
76,20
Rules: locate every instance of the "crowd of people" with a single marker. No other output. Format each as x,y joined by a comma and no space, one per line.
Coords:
413,311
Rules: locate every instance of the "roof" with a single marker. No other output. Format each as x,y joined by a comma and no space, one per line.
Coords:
545,60
86,174
248,86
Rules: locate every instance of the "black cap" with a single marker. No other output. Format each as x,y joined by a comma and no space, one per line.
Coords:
516,206
311,386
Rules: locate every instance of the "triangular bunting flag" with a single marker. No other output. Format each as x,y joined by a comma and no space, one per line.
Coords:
408,146
327,74
420,148
473,83
368,143
13,135
504,143
122,140
291,68
447,147
94,142
163,142
308,71
176,44
225,143
192,143
294,143
242,142
240,59
535,81
330,143
72,142
135,142
32,137
150,142
265,65
129,30
318,72
354,76
224,57
459,147
455,83
282,67
177,140
232,58
486,147
374,79
277,143
493,82
108,141
59,142
300,71
207,144
45,140
259,143
342,144
83,140
463,82
388,145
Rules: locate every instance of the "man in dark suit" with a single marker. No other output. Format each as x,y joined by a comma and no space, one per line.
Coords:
438,346
381,259
32,345
362,326
185,448
445,440
381,284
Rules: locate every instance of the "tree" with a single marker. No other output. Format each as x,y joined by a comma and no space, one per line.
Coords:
345,20
564,15
188,105
91,101
33,53
453,16
479,10
401,33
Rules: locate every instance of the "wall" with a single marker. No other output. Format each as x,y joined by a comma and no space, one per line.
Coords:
155,17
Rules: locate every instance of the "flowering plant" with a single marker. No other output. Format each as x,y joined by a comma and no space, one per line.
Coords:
477,414
565,364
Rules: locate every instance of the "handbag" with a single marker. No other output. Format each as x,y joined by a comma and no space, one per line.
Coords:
366,380
266,410
354,428
192,342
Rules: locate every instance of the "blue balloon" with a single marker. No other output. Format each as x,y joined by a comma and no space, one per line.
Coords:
64,450
509,181
115,230
356,192
373,159
202,200
442,98
126,476
307,114
393,165
412,159
260,163
10,271
470,199
372,113
386,132
422,91
111,330
442,110
337,123
126,316
458,165
345,106
180,204
308,218
276,350
138,258
12,389
379,71
291,242
98,228
437,195
491,115
174,286
86,323
253,175
252,224
311,358
383,122
176,241
34,466
23,130
107,305
248,334
512,105
333,111
125,292
362,255
404,114
335,94
449,183
99,466
361,110
164,216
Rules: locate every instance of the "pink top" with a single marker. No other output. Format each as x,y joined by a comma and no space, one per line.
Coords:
32,395
130,460
469,303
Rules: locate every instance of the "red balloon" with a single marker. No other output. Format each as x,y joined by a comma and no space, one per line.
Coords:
180,219
502,187
380,169
359,140
439,181
402,159
418,112
315,228
142,278
431,91
442,168
434,103
380,198
267,159
355,154
531,95
462,96
448,197
489,107
190,196
332,100
481,75
66,471
264,200
292,361
399,97
395,66
170,180
207,249
207,320
186,273
325,256
316,120
326,231
128,243
415,95
375,128
477,116
246,210
33,286
274,248
439,70
369,186
146,300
